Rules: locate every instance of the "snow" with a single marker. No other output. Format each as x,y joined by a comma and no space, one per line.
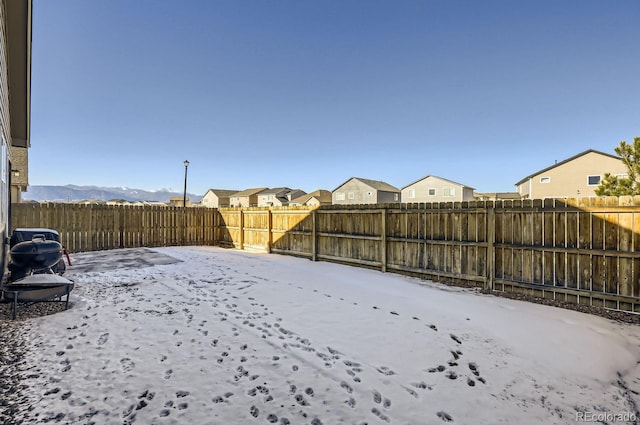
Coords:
204,335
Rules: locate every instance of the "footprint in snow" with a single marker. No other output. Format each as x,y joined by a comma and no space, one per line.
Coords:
346,387
103,338
254,411
385,371
127,364
380,415
445,416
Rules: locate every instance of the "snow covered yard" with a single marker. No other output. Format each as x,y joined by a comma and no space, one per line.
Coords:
203,335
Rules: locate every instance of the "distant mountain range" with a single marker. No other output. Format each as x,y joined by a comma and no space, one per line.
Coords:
71,193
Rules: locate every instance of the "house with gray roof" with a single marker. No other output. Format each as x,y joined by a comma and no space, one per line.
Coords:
357,190
246,198
575,177
278,197
216,198
313,199
436,189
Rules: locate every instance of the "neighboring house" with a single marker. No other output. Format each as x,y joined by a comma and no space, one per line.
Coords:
436,189
313,199
118,202
497,196
357,190
216,198
246,198
278,197
19,172
89,202
179,201
293,194
576,177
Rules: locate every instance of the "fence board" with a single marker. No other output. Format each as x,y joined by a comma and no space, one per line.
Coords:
537,272
598,274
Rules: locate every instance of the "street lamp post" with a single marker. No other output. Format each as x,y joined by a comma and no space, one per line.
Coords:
184,204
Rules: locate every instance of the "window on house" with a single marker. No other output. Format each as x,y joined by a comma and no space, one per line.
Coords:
395,197
593,180
339,196
448,192
351,195
412,193
545,179
432,192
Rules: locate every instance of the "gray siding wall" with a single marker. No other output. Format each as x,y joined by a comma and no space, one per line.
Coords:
4,85
5,138
356,192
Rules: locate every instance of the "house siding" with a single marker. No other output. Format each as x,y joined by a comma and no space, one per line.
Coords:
4,84
269,200
278,197
215,198
313,202
210,200
570,180
5,130
244,201
358,192
245,198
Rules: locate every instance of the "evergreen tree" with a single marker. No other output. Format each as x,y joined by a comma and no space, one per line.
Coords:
629,185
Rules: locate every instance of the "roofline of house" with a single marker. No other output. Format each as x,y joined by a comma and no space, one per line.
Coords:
275,190
564,162
363,180
248,192
441,178
225,191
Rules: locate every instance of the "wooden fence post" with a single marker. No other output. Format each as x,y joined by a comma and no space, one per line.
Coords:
491,251
216,227
241,228
269,230
314,235
383,240
121,226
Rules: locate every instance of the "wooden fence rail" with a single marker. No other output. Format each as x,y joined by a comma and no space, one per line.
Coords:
583,251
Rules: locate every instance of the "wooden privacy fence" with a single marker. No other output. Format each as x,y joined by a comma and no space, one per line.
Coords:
583,251
91,227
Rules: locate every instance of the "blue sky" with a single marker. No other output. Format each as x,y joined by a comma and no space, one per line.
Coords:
305,94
